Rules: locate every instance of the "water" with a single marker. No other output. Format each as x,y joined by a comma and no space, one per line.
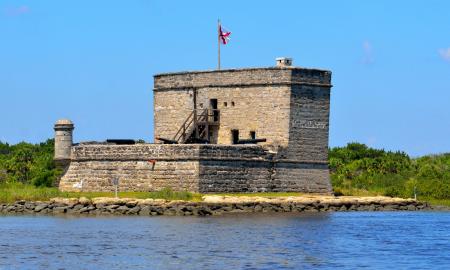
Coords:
353,240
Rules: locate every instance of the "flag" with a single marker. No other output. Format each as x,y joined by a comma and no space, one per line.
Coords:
224,35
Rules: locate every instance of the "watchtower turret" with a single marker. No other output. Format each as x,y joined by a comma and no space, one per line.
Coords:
63,141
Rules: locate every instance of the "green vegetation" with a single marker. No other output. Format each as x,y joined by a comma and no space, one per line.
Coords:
18,191
28,164
359,170
27,172
262,194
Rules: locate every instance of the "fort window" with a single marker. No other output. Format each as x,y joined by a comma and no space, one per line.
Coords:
232,103
252,135
234,136
225,104
213,106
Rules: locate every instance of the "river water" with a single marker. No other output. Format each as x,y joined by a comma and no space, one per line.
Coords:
349,240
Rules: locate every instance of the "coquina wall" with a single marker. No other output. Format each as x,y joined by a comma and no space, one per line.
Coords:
262,100
288,106
98,164
194,167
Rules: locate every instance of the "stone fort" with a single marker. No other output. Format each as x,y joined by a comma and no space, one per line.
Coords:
233,130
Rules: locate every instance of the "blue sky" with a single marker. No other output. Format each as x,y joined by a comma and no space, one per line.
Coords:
93,62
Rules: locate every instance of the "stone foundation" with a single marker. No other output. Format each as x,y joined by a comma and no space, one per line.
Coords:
212,205
204,168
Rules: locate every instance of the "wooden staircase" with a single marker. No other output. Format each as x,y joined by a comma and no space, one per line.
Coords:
197,126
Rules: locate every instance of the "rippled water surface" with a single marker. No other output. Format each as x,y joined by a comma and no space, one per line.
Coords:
354,240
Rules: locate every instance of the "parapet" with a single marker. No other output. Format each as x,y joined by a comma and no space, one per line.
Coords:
64,124
270,76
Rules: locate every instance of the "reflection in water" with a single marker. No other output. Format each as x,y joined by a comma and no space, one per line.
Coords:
277,241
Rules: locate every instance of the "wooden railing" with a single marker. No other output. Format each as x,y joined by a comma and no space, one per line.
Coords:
197,118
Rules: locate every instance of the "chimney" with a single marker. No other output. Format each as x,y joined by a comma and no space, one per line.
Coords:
284,61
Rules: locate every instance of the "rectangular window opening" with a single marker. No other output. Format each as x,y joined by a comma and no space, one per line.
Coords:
252,135
234,136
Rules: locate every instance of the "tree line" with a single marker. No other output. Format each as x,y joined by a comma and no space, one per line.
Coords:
28,163
356,169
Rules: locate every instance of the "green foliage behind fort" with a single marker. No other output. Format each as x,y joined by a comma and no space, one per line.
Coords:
28,163
355,170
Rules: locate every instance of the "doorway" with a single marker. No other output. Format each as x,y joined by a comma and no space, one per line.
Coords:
234,136
213,107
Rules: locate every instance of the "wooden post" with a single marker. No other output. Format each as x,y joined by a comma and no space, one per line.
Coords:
195,112
218,43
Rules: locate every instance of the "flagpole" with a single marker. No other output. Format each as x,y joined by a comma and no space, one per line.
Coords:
218,43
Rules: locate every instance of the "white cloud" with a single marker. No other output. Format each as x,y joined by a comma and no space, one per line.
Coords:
368,53
445,54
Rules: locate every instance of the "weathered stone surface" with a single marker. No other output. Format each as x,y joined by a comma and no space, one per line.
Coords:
60,209
217,205
199,168
287,106
39,207
145,211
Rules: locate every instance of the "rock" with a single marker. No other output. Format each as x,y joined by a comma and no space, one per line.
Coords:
100,206
145,202
77,207
391,207
84,201
64,201
29,211
134,210
30,205
145,211
60,209
131,204
45,211
96,211
112,207
84,210
258,208
170,212
286,207
39,207
122,209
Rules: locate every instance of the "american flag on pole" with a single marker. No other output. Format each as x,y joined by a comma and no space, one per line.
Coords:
224,35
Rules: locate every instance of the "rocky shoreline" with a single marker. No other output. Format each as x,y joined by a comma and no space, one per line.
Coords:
211,205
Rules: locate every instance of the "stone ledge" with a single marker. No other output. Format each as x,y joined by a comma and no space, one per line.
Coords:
242,85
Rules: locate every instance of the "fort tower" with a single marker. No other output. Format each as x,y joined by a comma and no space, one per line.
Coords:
63,141
232,130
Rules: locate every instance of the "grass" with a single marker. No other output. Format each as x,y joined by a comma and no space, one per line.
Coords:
355,192
261,194
363,192
14,192
442,202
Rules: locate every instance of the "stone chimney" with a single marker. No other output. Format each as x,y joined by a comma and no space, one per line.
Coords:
284,61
